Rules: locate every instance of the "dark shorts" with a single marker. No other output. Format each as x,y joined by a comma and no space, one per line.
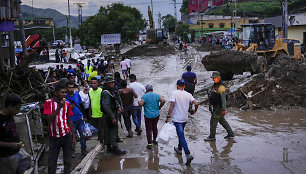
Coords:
190,89
124,71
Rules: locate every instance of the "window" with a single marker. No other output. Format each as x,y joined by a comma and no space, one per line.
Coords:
198,23
221,25
193,2
202,23
200,1
211,25
193,10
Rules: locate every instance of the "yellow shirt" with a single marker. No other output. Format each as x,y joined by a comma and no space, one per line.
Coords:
93,74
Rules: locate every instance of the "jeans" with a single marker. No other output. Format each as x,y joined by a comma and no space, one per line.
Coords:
180,133
55,146
99,123
128,111
137,116
151,125
9,165
79,125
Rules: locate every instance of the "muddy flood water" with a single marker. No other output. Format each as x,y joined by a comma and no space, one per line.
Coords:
266,141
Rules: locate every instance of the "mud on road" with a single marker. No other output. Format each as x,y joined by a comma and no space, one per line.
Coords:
266,141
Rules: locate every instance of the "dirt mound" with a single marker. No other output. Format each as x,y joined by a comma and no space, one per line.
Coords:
26,82
210,47
151,50
229,63
284,84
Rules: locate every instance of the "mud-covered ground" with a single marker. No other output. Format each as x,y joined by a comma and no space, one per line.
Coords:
266,141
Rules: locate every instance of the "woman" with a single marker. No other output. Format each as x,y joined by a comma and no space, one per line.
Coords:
117,81
127,96
85,99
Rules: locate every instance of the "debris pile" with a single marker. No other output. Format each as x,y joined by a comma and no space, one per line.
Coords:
229,63
210,47
283,85
151,50
28,83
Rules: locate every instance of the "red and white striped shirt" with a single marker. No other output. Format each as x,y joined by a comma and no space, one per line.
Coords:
59,126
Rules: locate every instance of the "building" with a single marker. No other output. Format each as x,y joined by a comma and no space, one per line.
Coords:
37,22
296,26
212,24
198,6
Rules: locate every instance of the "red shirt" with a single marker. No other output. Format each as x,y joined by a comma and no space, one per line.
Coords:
59,126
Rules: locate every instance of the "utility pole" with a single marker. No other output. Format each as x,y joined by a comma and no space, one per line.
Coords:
69,24
21,26
159,20
152,7
175,14
79,7
11,35
285,18
234,24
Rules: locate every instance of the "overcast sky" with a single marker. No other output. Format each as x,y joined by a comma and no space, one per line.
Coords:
91,7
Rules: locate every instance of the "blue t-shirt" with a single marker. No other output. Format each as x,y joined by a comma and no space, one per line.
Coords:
76,99
151,106
189,77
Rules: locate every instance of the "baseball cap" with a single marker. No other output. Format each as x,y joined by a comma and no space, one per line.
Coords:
180,82
188,67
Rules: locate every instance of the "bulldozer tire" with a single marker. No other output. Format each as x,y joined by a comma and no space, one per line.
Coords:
261,64
279,58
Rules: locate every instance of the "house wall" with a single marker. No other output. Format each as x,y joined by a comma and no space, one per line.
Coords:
296,32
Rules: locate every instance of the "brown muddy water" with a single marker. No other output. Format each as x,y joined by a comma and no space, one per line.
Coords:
266,141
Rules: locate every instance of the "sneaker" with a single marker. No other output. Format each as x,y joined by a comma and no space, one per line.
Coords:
177,150
130,135
189,158
229,136
149,146
119,140
155,142
73,155
210,139
139,132
84,152
118,151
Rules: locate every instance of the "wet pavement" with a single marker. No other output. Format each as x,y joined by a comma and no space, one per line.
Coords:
265,142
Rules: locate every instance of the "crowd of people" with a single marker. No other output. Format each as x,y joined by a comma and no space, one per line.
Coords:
101,101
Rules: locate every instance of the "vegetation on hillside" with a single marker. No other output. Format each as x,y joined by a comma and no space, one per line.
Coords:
184,8
168,21
115,18
258,8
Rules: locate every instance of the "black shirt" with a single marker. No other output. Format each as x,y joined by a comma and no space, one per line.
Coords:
8,133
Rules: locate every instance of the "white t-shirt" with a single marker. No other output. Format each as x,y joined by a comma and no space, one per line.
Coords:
124,65
139,90
182,100
128,61
85,99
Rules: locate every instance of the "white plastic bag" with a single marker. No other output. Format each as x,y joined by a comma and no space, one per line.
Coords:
167,132
86,131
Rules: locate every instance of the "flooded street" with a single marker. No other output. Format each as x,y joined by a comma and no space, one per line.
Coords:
265,142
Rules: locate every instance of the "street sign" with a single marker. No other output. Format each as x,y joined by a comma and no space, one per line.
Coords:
111,39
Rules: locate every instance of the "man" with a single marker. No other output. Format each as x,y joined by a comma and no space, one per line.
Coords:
152,103
95,112
179,107
58,113
9,140
190,79
139,90
124,68
77,118
94,73
129,63
110,108
88,69
217,98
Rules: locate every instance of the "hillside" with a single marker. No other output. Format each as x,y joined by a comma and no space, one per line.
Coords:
261,8
59,18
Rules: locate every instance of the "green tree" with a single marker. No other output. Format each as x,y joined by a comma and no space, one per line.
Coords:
168,21
114,18
183,30
184,8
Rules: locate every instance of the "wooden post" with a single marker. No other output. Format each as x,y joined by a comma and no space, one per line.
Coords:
21,26
11,36
1,54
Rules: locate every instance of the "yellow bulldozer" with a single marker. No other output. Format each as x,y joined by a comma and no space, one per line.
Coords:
260,38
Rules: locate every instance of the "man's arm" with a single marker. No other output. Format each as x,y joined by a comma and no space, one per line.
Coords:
134,93
106,102
70,124
196,103
170,111
162,102
141,102
222,92
195,81
53,115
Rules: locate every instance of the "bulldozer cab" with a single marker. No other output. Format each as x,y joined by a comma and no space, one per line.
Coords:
261,34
